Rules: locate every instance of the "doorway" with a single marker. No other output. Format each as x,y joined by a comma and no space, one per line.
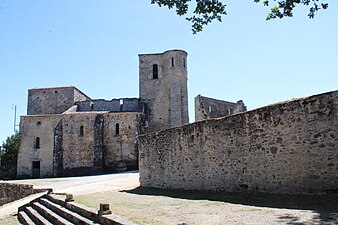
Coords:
36,169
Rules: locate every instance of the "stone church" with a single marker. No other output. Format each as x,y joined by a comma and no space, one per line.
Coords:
67,133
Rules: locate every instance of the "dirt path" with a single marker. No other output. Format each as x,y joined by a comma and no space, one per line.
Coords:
87,184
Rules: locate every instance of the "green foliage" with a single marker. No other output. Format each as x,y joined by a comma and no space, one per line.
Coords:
284,8
207,11
9,152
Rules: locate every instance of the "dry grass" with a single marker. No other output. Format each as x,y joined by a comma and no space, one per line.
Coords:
12,220
154,206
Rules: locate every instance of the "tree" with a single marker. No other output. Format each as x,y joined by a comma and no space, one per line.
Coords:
207,11
9,152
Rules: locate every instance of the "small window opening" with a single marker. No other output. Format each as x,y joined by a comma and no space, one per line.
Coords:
172,62
121,104
184,62
117,129
38,123
209,108
55,92
155,71
91,105
81,131
37,142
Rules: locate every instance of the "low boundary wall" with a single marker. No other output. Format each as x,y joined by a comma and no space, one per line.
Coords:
10,192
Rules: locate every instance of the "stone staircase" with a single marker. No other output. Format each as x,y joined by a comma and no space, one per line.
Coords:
62,210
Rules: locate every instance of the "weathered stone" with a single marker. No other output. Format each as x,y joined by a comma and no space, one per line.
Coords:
10,192
66,133
299,161
206,108
274,149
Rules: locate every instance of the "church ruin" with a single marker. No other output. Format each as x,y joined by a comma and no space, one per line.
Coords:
67,133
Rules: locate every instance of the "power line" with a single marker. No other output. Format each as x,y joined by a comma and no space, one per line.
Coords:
165,35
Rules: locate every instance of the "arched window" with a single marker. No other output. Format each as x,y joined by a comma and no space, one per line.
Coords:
155,71
117,129
37,142
81,131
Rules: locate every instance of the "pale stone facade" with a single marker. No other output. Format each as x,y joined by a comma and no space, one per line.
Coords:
163,87
66,132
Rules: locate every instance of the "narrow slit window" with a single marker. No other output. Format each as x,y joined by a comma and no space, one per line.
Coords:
172,62
184,62
81,131
37,142
121,105
117,129
155,71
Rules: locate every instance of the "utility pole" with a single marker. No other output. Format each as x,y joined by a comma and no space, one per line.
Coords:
0,156
15,125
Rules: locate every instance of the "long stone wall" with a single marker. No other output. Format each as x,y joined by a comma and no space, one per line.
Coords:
10,192
289,147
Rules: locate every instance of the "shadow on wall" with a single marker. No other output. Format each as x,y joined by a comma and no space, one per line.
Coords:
326,206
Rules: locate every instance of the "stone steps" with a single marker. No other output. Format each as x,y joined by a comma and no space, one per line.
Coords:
24,218
58,210
49,214
36,217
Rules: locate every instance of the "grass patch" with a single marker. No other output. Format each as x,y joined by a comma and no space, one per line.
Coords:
12,220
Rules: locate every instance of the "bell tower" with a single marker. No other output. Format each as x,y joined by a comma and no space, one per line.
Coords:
163,88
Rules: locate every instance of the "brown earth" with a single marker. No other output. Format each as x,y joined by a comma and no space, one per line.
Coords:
156,206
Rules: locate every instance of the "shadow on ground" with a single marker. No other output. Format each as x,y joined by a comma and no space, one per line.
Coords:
324,206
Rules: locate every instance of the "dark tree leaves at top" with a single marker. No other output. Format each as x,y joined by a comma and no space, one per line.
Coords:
206,11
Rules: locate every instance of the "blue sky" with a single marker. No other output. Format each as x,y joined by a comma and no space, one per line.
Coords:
93,45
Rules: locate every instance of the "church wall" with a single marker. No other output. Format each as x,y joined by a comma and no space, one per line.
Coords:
100,148
206,108
166,95
79,146
52,100
121,146
32,127
287,147
114,105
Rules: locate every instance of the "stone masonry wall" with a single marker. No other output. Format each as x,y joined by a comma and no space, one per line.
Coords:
31,128
290,147
100,147
166,96
11,192
114,105
52,100
207,108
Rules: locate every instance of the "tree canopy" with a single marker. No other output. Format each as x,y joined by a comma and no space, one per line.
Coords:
206,11
9,152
